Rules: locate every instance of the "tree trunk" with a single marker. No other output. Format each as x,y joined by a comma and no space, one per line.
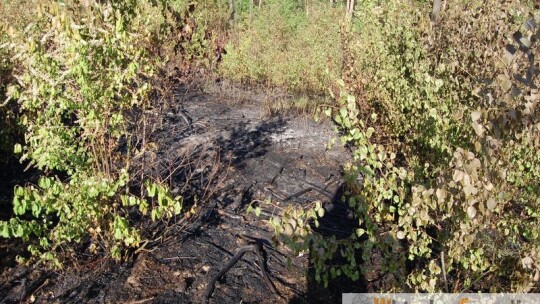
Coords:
436,10
232,10
250,11
349,10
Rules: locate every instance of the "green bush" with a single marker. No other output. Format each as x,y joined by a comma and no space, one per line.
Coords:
9,129
79,68
444,121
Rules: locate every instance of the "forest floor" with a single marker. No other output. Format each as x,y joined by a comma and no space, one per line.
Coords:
234,155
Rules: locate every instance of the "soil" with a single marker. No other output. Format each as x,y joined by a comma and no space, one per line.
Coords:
235,154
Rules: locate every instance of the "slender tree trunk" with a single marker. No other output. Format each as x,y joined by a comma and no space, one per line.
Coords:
250,11
349,10
436,10
232,10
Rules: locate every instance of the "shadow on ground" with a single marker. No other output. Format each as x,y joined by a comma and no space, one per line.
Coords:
245,143
338,222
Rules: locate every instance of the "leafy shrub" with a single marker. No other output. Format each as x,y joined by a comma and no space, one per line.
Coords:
9,129
81,66
444,177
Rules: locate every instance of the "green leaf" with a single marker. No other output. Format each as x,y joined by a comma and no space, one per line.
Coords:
19,231
177,207
367,170
44,183
17,149
36,210
19,191
320,212
19,209
124,200
151,188
93,192
370,132
328,112
143,206
4,230
160,198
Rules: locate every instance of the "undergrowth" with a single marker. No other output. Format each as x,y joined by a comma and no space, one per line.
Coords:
442,118
76,70
284,46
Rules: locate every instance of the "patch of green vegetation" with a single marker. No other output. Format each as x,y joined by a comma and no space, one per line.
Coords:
284,44
446,158
9,129
77,70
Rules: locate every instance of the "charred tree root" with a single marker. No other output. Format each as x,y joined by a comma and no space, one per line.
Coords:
257,249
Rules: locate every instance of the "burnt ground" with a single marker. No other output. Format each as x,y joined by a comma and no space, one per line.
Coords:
234,155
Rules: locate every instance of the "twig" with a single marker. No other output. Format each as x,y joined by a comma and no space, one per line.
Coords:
141,301
229,214
257,248
444,271
321,190
178,258
34,286
281,168
297,194
239,254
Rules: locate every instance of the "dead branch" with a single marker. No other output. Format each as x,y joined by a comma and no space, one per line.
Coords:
257,249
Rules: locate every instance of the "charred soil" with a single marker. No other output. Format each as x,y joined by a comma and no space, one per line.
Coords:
224,157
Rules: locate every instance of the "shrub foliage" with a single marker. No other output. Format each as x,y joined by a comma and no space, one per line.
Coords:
444,120
79,68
